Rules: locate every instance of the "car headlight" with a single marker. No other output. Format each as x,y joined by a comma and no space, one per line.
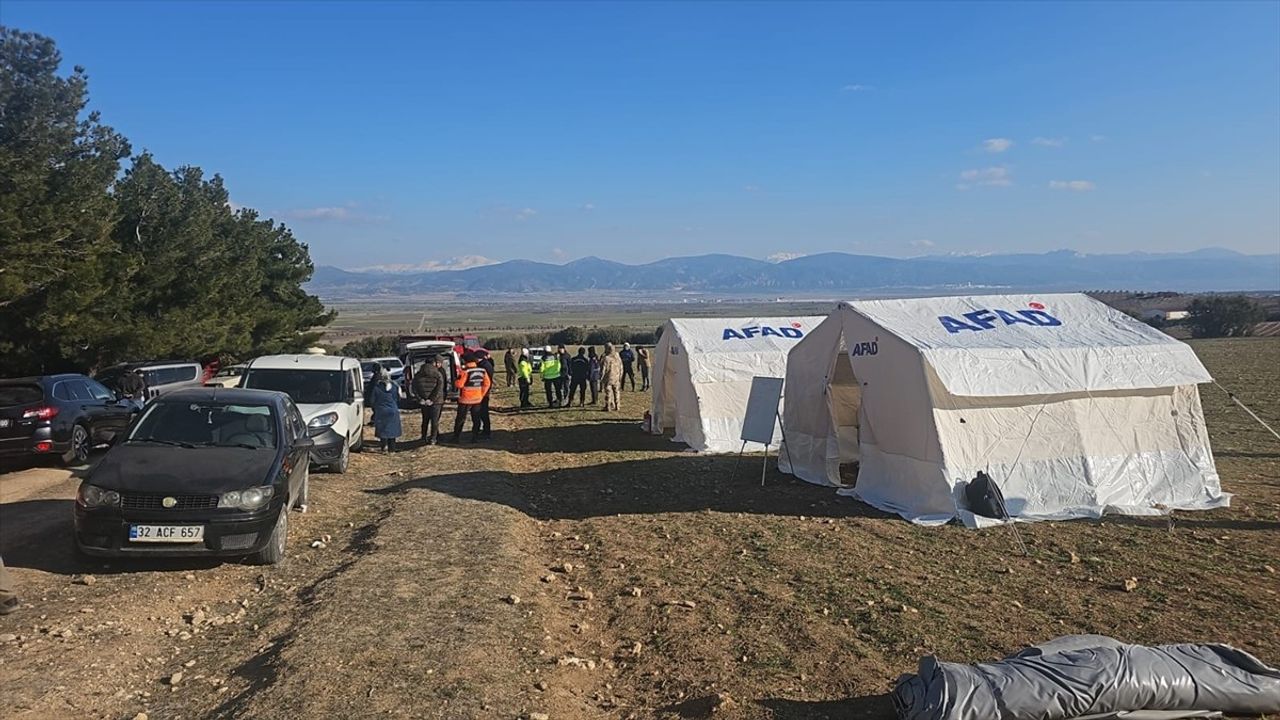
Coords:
323,421
92,496
250,499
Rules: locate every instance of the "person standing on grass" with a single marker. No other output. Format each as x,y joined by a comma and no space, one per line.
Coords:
580,375
595,373
484,360
611,377
428,387
563,355
524,369
628,358
509,364
384,398
642,362
473,385
551,378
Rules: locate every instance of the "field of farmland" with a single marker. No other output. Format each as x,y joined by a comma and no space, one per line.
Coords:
577,567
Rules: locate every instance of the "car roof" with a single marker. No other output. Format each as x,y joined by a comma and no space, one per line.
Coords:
302,362
150,364
234,396
38,379
430,345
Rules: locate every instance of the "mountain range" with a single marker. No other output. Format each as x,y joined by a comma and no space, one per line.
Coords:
828,273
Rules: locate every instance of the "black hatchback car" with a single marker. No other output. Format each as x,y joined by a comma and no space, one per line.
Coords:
204,471
59,415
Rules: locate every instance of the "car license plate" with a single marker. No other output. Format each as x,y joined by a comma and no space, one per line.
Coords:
5,422
166,533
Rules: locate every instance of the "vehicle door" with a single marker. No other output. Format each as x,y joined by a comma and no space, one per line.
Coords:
87,409
355,402
297,457
114,415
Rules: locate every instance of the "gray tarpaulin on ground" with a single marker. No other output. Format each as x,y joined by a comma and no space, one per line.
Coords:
1084,675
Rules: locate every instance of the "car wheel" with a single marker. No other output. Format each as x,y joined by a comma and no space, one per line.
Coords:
273,553
344,461
79,452
359,446
304,491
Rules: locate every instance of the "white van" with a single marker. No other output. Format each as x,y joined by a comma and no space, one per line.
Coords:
328,390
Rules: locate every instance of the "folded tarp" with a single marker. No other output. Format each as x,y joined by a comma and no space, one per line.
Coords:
1089,675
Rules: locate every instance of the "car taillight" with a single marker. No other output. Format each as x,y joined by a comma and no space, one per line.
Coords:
44,446
44,412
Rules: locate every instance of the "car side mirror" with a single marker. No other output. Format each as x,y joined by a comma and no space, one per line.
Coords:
305,441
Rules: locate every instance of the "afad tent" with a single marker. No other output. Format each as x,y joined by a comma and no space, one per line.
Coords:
702,370
1073,408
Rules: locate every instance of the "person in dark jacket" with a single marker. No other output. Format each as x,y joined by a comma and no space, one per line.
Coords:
595,373
485,360
564,356
509,364
429,387
384,398
628,358
579,376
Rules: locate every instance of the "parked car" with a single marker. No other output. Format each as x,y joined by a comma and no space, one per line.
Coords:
160,376
329,392
228,377
59,415
204,471
392,364
536,355
426,351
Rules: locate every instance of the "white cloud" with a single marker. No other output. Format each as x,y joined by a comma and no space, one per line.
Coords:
558,253
461,262
856,87
752,188
524,214
1098,138
922,244
996,145
1049,142
235,206
349,213
784,256
998,176
320,214
1072,185
588,207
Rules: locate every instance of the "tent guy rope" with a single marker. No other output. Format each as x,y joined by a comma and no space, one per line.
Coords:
1245,408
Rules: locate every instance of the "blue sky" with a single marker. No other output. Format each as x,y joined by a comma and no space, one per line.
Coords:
408,133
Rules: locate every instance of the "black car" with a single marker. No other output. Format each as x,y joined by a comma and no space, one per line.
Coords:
59,415
204,471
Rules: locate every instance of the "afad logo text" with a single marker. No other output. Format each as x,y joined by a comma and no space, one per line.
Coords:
794,332
980,320
865,348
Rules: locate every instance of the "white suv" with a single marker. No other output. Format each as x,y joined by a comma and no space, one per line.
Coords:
329,392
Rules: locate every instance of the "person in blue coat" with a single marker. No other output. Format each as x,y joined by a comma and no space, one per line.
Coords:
384,398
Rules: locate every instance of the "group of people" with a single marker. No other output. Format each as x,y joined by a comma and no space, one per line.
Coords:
430,384
564,376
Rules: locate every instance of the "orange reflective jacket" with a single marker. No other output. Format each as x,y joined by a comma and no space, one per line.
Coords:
473,384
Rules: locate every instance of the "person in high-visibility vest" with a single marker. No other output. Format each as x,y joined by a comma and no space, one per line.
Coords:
524,373
473,385
551,378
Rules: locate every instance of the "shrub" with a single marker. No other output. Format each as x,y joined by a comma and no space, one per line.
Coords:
1223,316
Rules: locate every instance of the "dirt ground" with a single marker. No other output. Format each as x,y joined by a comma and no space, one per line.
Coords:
650,582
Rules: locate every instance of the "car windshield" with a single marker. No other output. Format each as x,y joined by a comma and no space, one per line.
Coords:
306,387
196,424
392,364
367,366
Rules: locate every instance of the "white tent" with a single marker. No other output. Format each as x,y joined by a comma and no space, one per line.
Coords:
1072,407
702,370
